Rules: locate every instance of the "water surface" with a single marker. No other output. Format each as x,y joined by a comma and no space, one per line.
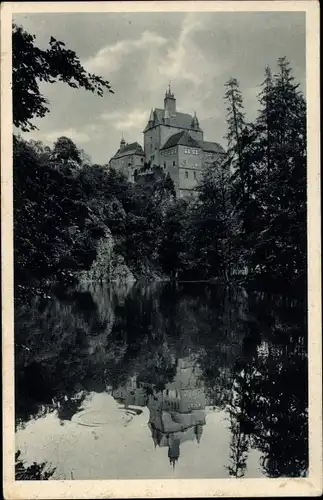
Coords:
162,381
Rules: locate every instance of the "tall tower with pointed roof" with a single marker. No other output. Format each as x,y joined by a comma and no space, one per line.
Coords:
195,123
174,450
170,102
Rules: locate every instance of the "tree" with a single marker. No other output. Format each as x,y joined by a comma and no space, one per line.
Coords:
212,217
65,150
172,243
51,217
31,65
265,120
236,126
281,243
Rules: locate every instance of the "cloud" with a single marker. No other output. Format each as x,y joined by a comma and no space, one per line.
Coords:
111,57
126,120
139,53
75,135
179,63
50,137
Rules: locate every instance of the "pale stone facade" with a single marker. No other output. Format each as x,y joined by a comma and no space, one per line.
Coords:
128,159
175,142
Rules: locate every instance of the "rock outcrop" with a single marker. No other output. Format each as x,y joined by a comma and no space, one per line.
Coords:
108,265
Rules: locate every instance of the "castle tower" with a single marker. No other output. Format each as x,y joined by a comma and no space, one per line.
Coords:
166,117
173,451
151,119
195,123
122,143
170,102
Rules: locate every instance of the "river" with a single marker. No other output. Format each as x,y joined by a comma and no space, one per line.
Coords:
189,380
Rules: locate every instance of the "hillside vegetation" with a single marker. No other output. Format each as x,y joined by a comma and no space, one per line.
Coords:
247,222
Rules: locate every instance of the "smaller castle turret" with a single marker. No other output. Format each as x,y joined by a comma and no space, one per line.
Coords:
122,143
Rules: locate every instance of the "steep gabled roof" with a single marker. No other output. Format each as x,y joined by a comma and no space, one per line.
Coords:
181,139
180,120
130,149
211,147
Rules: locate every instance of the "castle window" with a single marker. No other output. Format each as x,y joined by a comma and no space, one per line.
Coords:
188,151
164,165
186,174
142,160
174,163
194,175
185,150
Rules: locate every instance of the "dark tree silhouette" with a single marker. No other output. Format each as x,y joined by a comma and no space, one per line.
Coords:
31,65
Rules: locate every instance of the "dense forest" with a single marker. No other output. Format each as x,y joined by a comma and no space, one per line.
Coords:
246,223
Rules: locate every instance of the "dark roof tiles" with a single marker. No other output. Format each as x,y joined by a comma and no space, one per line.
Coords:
180,120
212,147
185,139
181,139
130,149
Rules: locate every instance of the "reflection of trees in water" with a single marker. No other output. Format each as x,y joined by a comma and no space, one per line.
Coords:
52,344
67,407
269,403
239,448
251,354
102,335
220,338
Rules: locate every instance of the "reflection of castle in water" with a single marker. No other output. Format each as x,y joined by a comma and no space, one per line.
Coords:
176,414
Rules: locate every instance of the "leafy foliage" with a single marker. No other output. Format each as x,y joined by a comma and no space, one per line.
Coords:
263,228
31,65
63,207
34,472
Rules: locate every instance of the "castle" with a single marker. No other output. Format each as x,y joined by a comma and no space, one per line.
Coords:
173,142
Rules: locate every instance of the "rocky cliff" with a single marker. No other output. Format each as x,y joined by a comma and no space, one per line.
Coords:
108,265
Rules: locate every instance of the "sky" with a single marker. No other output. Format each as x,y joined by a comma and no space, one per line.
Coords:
140,53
